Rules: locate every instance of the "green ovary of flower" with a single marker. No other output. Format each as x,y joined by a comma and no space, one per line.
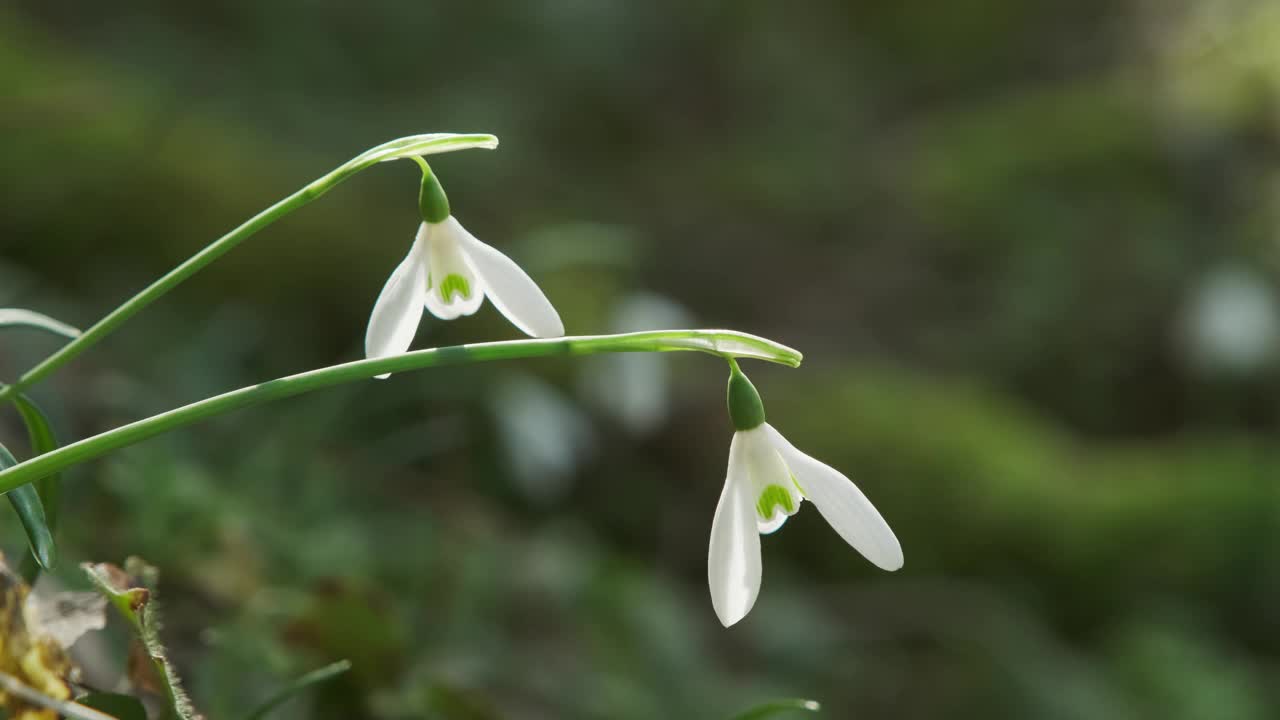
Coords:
454,284
773,496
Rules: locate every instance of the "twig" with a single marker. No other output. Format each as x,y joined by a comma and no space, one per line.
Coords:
62,707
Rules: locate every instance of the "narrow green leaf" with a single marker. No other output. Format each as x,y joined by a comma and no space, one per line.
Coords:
43,440
131,591
121,707
777,707
302,683
17,317
26,503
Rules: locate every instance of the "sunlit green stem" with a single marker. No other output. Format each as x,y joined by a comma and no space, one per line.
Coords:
724,343
411,146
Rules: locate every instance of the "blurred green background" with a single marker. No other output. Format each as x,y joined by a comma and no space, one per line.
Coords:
1029,251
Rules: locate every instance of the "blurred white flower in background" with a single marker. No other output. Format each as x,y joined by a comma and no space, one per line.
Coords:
1231,323
634,387
544,435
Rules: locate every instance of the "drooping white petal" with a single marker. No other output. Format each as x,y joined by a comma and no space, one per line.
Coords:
773,493
398,310
733,559
843,505
454,289
510,289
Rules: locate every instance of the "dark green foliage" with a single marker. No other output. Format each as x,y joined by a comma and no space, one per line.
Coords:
121,707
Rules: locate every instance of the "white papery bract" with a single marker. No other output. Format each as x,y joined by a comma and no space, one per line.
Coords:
768,478
449,272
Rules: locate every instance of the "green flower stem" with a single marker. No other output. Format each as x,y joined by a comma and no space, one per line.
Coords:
406,147
723,343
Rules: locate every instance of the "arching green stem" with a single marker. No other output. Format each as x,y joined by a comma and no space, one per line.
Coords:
723,343
406,147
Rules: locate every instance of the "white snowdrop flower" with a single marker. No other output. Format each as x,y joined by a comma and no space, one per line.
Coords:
449,272
767,480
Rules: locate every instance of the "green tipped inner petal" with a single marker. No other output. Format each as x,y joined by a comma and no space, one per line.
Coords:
773,496
454,284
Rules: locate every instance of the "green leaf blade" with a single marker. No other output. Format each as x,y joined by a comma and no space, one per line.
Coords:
26,503
118,706
42,438
303,682
21,318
